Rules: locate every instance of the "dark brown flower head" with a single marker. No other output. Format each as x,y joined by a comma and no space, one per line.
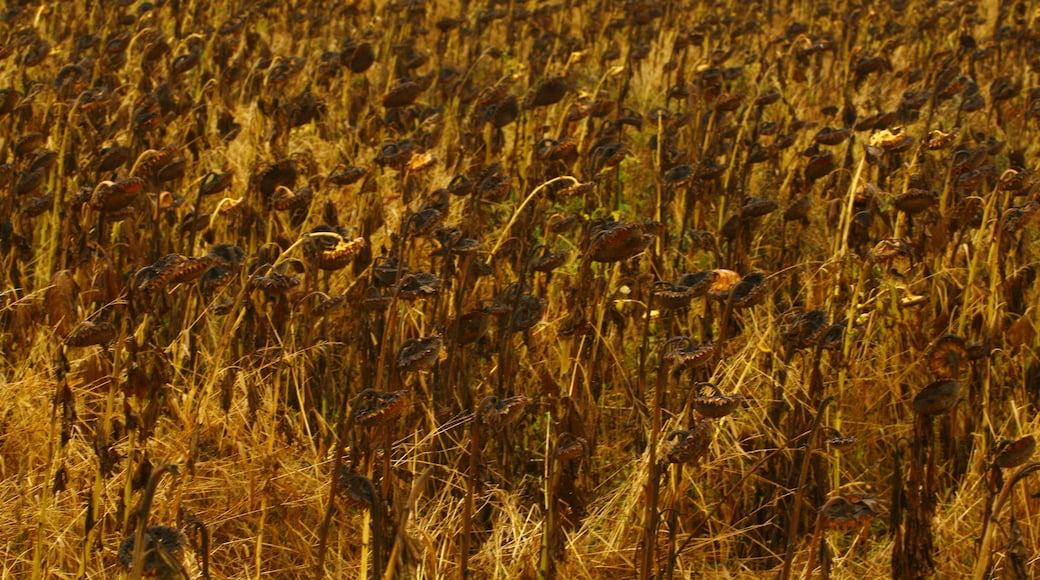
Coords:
404,93
755,207
709,169
888,250
347,175
848,511
1011,454
328,304
472,326
1017,180
749,291
688,355
214,183
618,241
495,414
386,271
419,353
689,445
110,197
339,255
819,165
356,490
527,311
671,296
1013,219
358,57
371,408
91,333
189,269
543,259
605,156
711,402
937,398
836,440
577,189
418,285
565,150
163,549
976,351
946,355
493,183
939,140
111,158
461,185
915,201
803,328
227,255
285,199
268,176
453,242
396,155
548,92
678,175
274,283
832,136
374,300
570,447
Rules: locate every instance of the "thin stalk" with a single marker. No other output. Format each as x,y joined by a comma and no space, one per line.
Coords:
796,509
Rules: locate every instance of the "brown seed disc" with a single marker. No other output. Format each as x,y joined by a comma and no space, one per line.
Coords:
618,241
938,397
945,357
711,402
690,355
111,197
347,175
888,250
939,140
678,175
472,326
831,136
91,333
355,489
1014,453
273,283
671,296
819,165
915,201
755,207
403,94
189,270
709,169
547,260
495,414
798,210
338,257
689,446
847,512
419,353
526,313
548,92
569,447
804,328
374,408
418,285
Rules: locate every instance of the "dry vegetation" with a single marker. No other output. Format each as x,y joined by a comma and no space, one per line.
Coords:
519,289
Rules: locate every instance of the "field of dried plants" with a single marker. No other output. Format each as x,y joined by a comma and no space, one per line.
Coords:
519,289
